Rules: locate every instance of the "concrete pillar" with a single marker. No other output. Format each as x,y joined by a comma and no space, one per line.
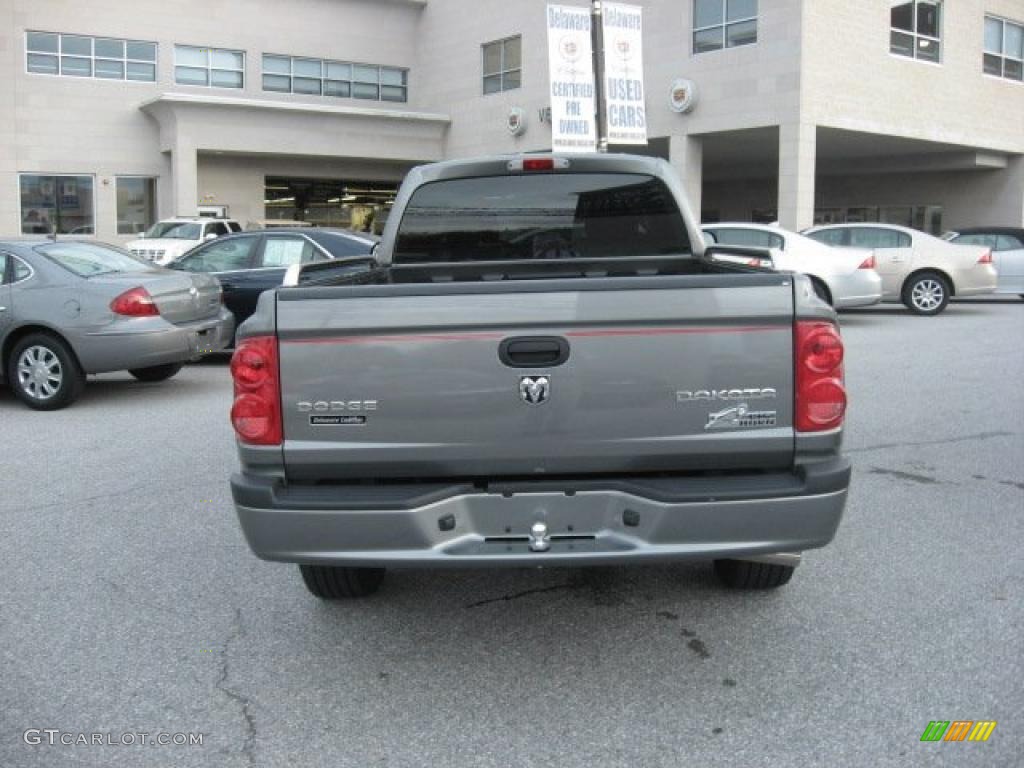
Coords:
1015,214
185,179
797,155
165,187
686,153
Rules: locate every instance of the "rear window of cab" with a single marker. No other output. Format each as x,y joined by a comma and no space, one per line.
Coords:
543,216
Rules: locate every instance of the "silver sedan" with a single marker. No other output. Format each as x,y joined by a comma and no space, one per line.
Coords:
70,308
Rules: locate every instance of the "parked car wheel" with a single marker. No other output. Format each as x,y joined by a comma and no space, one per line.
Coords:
44,373
822,290
743,574
926,293
331,582
156,372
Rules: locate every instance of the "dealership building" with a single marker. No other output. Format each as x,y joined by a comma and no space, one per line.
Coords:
119,113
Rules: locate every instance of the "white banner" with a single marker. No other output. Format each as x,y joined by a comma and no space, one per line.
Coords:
571,69
624,74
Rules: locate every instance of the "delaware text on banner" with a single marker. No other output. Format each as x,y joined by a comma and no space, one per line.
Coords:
624,74
571,67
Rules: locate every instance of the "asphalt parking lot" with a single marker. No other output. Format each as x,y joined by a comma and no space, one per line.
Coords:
130,602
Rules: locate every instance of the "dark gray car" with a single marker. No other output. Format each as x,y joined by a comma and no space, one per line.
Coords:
248,263
70,308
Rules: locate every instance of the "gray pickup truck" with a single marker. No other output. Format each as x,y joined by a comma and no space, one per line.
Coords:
543,365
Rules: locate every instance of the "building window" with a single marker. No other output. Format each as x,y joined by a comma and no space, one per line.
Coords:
503,64
342,79
917,30
105,58
214,67
136,204
723,24
61,204
1004,48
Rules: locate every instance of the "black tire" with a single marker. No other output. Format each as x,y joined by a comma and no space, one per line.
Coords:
926,293
156,372
53,348
333,583
744,574
822,290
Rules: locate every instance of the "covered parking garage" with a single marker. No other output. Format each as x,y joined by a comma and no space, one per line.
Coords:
860,176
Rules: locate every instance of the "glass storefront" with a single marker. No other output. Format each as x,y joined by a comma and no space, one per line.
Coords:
60,204
362,206
927,218
136,204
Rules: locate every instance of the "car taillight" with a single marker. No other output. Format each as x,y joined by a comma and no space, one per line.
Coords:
986,257
868,263
256,412
135,303
820,390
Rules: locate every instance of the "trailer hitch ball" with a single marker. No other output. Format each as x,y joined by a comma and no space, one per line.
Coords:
540,541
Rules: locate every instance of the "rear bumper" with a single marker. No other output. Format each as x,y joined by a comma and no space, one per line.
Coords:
983,278
861,288
144,342
590,522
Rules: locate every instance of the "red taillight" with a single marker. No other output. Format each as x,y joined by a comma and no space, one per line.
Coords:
256,412
135,303
868,263
820,391
986,257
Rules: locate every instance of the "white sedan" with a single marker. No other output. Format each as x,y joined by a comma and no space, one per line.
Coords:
843,278
918,269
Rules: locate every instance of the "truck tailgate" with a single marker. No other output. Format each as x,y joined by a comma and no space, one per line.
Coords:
408,381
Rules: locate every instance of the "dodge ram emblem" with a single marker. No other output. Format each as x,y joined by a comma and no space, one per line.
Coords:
534,389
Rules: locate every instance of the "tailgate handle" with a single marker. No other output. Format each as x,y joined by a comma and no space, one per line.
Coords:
533,351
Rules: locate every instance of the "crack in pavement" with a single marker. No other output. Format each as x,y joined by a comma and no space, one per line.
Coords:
248,748
947,441
922,479
517,595
79,502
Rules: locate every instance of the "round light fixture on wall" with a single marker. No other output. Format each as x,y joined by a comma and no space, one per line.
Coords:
683,95
515,122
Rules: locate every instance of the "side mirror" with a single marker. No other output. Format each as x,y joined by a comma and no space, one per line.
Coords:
210,236
740,254
326,272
